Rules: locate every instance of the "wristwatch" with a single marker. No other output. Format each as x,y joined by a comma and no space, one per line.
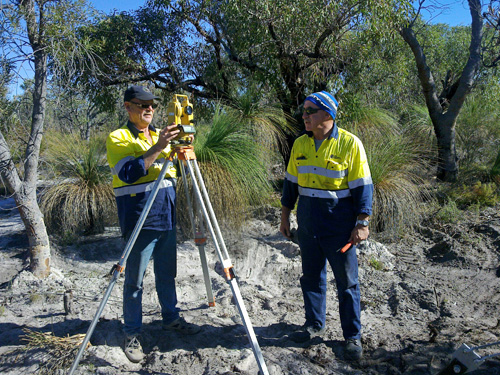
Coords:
364,223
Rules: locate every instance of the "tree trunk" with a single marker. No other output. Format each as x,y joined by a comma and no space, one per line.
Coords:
444,116
25,192
444,127
25,198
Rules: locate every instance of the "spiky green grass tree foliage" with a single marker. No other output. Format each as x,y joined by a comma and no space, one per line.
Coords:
362,119
81,199
398,154
233,164
398,164
265,121
478,132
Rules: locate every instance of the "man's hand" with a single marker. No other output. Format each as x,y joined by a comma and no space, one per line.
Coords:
166,135
285,222
358,234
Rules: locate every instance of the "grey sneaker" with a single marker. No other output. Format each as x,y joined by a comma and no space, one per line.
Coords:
353,349
133,349
181,326
306,333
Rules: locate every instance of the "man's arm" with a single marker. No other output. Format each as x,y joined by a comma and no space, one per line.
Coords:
166,135
361,187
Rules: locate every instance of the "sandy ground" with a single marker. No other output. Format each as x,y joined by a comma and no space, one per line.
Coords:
421,298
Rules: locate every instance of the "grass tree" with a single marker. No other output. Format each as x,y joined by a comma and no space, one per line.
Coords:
266,122
397,166
233,166
81,199
398,156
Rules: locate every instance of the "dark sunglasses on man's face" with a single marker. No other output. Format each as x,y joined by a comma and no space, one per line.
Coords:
311,110
145,106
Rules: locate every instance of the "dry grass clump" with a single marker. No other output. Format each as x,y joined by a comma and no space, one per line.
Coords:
59,351
81,200
233,166
398,163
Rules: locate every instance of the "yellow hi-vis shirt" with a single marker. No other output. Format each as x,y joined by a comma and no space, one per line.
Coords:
132,183
333,184
126,144
338,166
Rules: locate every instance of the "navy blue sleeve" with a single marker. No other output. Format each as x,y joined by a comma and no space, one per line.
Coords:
363,197
290,193
132,170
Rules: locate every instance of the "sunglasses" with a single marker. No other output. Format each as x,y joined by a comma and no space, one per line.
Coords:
311,110
145,106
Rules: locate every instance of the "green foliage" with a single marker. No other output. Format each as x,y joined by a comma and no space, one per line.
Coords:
216,49
233,168
477,127
265,122
482,194
81,200
449,213
397,163
495,171
361,118
376,264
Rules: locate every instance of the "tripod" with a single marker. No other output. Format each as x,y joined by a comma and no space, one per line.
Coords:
187,159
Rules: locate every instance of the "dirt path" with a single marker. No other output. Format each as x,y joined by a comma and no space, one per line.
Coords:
421,298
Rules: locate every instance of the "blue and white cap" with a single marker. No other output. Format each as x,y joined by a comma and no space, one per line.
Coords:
325,101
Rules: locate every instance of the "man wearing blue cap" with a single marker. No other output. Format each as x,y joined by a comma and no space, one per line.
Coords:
136,154
329,175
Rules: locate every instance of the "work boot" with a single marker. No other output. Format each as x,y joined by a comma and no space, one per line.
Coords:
353,349
133,349
181,326
306,333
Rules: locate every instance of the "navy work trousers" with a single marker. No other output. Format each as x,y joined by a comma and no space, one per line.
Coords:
315,251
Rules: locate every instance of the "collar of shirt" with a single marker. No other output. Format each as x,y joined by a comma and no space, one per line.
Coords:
334,133
136,131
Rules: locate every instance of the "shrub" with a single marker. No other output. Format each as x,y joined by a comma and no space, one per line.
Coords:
398,165
449,213
81,200
482,194
233,167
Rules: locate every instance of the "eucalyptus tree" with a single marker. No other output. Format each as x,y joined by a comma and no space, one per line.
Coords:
41,34
216,49
444,107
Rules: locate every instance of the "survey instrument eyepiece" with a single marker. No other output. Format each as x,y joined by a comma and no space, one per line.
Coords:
180,112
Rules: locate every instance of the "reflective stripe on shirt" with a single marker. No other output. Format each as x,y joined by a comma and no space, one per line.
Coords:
326,194
116,169
291,177
142,188
360,182
321,171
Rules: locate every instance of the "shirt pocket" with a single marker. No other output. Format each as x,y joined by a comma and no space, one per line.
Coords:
336,174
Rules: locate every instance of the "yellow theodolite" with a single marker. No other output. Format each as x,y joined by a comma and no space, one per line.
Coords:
180,112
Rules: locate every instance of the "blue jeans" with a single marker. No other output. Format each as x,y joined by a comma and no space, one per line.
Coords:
162,246
315,251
